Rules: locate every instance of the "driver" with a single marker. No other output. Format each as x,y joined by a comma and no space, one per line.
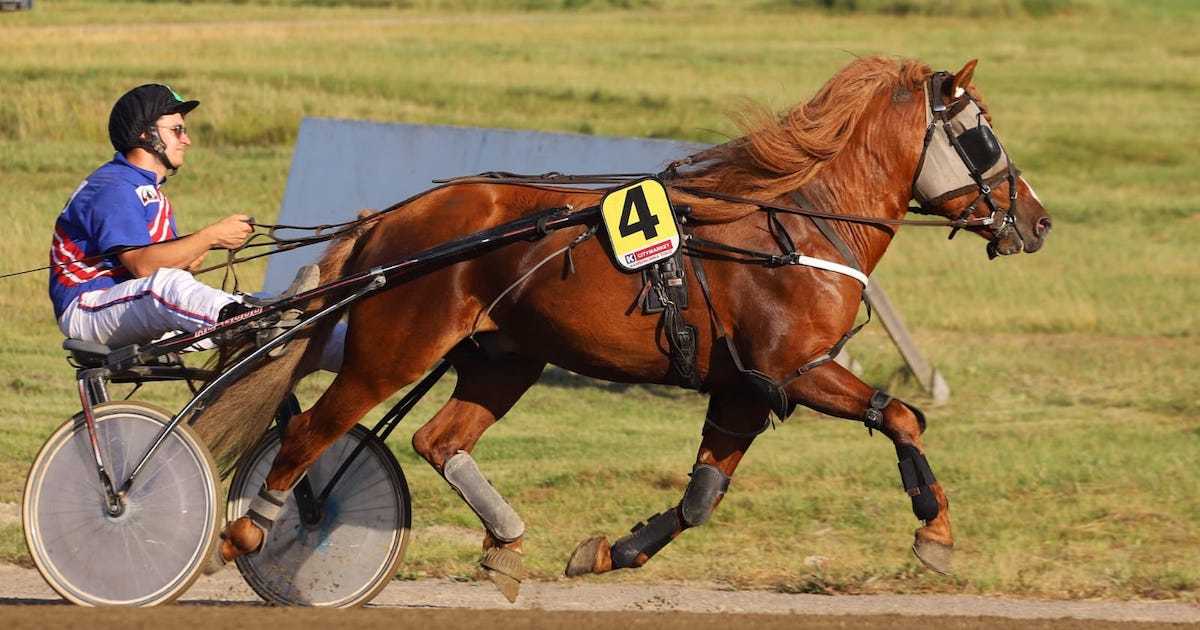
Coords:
119,272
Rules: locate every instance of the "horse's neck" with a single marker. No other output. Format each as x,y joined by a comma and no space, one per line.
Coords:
890,157
866,242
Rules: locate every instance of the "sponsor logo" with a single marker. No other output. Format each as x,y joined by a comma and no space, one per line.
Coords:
237,318
655,251
148,194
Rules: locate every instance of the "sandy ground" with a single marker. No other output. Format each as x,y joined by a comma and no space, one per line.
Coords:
216,599
225,600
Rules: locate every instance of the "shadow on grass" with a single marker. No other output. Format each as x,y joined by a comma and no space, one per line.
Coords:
557,377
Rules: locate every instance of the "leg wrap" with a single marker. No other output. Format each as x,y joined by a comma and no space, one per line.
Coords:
462,473
874,416
917,477
266,507
707,486
648,538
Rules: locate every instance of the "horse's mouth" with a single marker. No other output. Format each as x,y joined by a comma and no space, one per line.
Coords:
994,250
1011,239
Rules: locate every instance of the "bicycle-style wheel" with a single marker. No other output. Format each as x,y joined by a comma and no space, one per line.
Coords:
350,551
156,547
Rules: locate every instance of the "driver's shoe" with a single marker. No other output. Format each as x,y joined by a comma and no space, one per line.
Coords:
307,278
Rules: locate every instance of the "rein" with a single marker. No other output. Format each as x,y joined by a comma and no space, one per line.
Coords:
958,224
280,244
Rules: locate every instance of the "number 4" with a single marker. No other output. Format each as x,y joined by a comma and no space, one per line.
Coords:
646,221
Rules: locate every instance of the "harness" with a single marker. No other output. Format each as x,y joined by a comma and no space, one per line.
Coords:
772,391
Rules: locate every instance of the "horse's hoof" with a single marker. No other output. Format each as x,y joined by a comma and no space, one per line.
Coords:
933,554
241,538
591,556
506,569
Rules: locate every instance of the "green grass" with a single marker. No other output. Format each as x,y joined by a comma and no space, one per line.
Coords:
1069,443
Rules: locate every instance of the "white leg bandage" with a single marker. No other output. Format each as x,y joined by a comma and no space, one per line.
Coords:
462,473
265,508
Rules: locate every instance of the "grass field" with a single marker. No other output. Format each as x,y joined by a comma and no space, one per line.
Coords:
1069,445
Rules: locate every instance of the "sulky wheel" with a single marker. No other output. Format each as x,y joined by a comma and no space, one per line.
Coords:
157,543
336,553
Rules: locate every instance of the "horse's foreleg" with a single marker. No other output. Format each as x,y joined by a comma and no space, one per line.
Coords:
833,390
734,419
486,389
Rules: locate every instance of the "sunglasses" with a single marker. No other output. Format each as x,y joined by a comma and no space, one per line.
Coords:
180,130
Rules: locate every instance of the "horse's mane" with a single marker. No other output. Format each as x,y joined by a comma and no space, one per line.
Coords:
780,153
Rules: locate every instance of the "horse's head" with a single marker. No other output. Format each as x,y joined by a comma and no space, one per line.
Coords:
964,174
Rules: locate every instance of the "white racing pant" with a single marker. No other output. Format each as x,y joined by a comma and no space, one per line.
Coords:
134,311
167,302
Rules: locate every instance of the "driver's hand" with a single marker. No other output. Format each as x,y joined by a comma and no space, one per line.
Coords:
230,232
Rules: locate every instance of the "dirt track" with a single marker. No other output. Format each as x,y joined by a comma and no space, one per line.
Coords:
224,600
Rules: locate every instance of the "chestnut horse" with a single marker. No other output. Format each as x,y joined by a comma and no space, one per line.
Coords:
784,228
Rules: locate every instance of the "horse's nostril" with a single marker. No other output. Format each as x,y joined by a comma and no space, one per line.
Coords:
1043,226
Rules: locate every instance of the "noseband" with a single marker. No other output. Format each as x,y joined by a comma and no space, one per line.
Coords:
965,156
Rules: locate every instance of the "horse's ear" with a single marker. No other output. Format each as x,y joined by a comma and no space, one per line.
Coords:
962,78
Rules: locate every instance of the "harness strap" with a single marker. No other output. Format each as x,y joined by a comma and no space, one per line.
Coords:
827,230
771,390
840,245
773,261
849,218
774,395
873,419
569,267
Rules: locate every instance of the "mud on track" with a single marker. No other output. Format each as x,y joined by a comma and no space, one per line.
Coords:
224,601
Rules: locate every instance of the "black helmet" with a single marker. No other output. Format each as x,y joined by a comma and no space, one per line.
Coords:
135,113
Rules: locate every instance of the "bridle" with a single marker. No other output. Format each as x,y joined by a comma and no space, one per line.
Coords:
961,154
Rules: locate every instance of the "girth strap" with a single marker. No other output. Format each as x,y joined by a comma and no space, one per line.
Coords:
771,391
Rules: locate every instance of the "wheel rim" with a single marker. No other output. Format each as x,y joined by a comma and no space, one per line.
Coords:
151,552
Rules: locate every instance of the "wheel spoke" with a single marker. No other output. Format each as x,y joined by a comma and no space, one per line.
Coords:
154,550
346,559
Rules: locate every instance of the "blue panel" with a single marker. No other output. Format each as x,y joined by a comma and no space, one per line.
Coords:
342,166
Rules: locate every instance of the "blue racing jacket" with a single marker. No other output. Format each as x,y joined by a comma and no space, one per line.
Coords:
118,206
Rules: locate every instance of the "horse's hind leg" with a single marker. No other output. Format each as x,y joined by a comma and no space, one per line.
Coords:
833,390
735,417
487,388
354,392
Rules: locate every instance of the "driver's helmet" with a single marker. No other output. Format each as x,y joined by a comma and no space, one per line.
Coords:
136,112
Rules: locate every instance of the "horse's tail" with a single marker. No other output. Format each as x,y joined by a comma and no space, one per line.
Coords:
236,420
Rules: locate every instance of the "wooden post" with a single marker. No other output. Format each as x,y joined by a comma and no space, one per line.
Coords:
927,375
